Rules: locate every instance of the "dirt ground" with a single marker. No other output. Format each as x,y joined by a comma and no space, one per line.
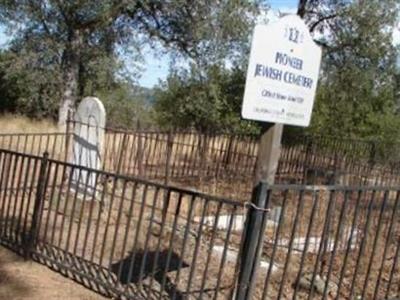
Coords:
21,279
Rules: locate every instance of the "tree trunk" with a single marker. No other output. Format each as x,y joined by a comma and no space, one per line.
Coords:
301,8
70,70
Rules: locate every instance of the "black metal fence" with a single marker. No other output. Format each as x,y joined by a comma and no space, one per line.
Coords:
215,162
328,243
158,154
218,158
122,236
177,155
36,143
130,238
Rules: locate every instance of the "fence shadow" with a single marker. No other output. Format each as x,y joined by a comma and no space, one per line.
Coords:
12,285
156,264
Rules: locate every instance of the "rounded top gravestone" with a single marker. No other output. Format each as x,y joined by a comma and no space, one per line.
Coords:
91,111
90,120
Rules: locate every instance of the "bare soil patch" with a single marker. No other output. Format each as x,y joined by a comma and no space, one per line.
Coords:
20,279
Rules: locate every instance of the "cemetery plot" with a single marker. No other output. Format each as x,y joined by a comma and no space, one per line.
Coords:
129,237
132,237
223,164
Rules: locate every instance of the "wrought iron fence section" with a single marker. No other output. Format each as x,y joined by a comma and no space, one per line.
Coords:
128,237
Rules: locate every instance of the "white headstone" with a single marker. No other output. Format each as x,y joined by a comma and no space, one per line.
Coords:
90,119
282,74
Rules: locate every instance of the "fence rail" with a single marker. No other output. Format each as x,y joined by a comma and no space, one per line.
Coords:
222,157
213,162
131,238
123,236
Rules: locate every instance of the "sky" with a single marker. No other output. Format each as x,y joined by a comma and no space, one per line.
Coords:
156,66
3,38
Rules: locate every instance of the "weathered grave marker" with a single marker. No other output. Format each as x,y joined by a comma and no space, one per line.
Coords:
90,119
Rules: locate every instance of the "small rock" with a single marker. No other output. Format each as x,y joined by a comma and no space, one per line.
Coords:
319,284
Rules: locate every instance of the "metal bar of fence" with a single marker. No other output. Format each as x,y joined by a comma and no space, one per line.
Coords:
308,235
394,266
16,202
37,209
336,242
185,240
312,226
255,227
375,243
275,248
325,232
348,248
295,224
363,243
25,188
148,235
4,200
30,196
211,246
234,154
389,237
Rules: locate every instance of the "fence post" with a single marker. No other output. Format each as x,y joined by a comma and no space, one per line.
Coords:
67,140
68,134
253,241
372,155
228,154
307,160
203,154
38,206
121,153
139,156
170,143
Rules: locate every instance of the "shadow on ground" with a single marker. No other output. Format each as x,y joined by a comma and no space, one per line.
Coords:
11,282
143,266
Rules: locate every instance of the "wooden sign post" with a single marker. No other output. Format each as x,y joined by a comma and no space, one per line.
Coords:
268,154
280,87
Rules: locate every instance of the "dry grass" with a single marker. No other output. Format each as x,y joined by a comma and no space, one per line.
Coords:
21,124
108,234
114,231
21,279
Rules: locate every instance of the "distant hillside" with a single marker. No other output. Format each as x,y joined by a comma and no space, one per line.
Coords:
147,94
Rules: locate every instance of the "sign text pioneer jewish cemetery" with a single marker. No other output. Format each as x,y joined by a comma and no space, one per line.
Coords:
282,74
280,87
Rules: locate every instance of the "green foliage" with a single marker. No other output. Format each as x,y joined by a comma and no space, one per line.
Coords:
208,96
210,102
356,93
127,106
74,49
32,92
357,87
79,43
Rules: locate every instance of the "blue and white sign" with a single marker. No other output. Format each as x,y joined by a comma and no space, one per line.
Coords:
282,74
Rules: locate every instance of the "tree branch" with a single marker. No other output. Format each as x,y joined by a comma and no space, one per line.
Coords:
110,16
37,7
323,19
62,12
